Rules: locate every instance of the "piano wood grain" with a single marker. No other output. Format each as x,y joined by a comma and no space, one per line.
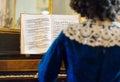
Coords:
19,65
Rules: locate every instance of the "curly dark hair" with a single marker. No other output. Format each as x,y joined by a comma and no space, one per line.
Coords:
101,9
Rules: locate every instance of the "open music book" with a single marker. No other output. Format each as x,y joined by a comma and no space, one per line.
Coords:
39,31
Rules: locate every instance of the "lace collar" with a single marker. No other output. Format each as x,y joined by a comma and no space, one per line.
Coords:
94,34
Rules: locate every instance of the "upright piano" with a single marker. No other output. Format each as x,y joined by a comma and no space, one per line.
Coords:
16,67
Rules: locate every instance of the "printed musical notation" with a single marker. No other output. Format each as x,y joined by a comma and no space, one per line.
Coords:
39,31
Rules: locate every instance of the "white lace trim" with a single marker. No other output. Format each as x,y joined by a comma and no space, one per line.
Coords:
93,34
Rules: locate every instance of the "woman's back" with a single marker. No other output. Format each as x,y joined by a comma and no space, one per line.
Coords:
90,55
90,50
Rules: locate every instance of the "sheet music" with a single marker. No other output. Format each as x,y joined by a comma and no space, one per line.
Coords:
36,32
60,22
39,31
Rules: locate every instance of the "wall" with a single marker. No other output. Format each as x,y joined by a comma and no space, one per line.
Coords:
32,6
29,6
62,7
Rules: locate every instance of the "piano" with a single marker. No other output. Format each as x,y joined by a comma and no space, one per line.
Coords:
16,67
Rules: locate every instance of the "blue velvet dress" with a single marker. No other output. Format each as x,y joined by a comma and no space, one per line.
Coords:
91,55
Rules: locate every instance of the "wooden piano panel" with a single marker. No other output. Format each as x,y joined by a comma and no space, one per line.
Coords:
11,66
19,65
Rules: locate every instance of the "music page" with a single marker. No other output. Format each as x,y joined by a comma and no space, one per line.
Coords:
60,22
35,33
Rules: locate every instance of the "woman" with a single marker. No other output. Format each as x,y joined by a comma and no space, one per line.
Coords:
90,50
